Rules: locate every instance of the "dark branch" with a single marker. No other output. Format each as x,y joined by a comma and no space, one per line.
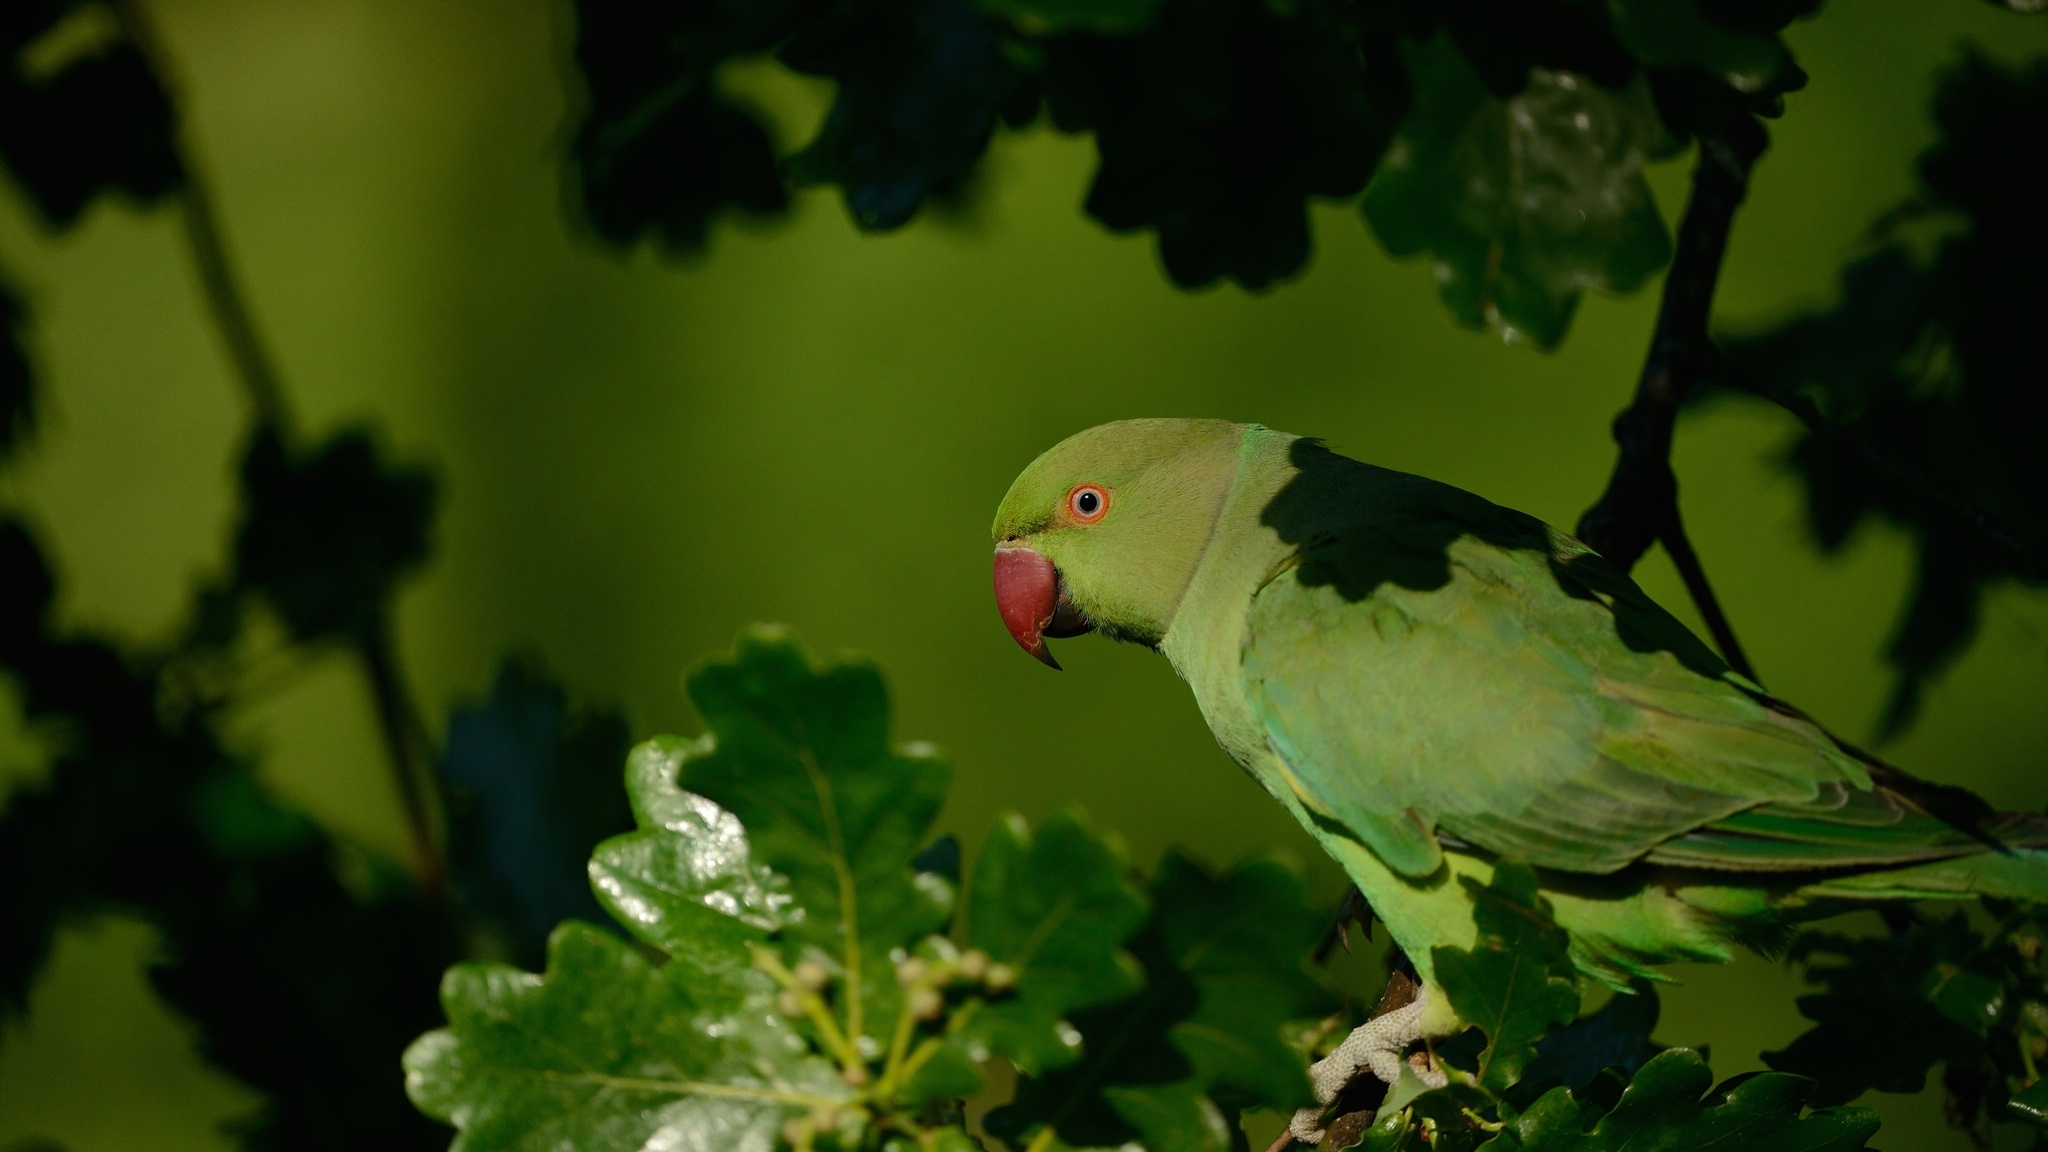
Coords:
411,756
405,736
231,313
1640,505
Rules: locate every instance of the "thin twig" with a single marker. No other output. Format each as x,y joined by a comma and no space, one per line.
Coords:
405,735
231,314
1640,505
411,759
1688,562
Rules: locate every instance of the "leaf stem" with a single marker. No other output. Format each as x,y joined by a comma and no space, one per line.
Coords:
899,1042
814,1010
849,907
897,1073
406,741
692,1088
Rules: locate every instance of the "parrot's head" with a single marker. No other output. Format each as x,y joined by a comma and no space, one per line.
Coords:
1105,530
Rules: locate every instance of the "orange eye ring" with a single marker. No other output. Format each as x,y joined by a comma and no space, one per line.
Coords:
1087,503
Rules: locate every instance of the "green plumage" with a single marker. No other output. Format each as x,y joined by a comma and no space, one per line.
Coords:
1429,681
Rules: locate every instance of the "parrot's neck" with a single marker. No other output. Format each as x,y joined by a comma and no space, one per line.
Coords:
1206,635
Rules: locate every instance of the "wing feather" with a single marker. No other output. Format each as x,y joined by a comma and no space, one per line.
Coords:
1523,696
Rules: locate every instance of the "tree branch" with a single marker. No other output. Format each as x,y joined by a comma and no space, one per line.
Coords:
1640,505
406,742
231,314
405,737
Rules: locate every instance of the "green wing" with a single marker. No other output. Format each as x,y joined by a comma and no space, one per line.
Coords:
1435,662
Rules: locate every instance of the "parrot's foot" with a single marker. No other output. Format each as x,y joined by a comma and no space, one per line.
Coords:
1376,1045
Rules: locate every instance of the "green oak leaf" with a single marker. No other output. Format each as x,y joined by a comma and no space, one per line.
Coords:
609,1051
1526,202
1668,1105
1224,978
1517,982
1051,17
1240,937
800,755
1177,1116
1056,906
686,882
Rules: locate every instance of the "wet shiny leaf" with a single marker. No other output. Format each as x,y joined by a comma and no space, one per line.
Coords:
801,756
686,882
608,1051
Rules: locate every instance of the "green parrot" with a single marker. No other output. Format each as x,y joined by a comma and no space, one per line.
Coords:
1430,682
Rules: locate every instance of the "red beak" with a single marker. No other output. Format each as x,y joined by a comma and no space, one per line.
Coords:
1032,598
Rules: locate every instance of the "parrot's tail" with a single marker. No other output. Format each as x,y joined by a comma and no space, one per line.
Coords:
2009,861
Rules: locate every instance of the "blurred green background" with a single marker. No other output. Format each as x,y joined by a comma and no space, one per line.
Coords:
814,426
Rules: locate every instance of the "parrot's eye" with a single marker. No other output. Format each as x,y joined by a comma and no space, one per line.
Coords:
1087,503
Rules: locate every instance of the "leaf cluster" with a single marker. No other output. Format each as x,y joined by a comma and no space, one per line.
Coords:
301,975
81,115
1930,373
1972,998
1509,137
811,971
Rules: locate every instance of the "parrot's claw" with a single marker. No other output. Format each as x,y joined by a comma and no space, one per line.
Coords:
1376,1045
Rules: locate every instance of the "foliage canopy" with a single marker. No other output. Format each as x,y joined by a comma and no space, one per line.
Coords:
793,959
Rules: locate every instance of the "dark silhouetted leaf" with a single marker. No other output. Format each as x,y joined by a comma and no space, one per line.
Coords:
1617,1036
100,123
921,83
535,785
1218,123
1047,17
1517,983
1932,992
608,1051
1524,202
17,383
1662,33
325,537
1873,1027
1668,1105
658,151
1757,17
1936,367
